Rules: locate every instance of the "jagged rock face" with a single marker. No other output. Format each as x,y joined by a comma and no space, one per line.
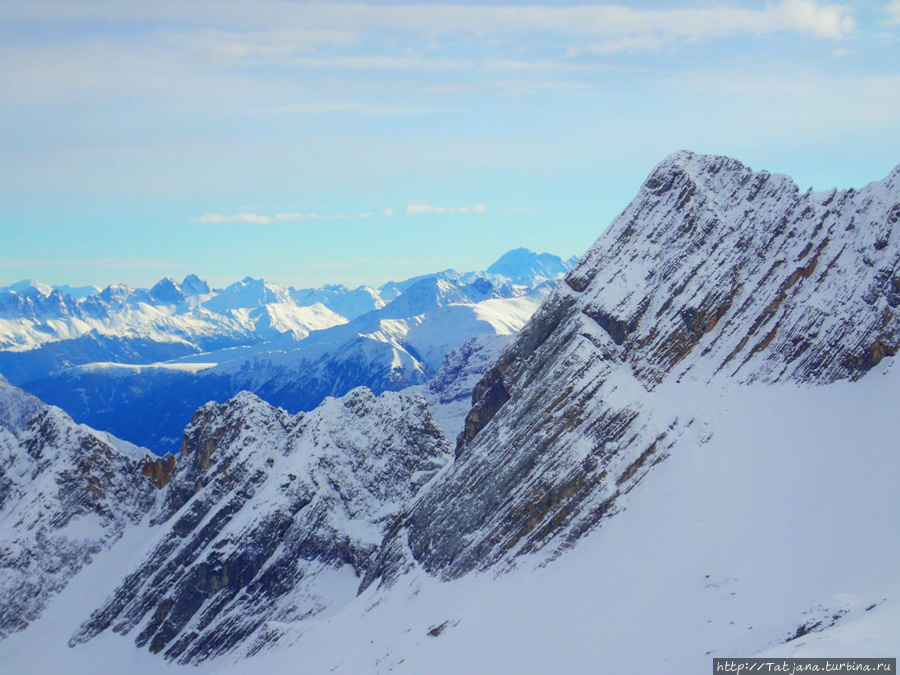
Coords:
464,366
271,518
449,392
712,272
66,493
167,291
16,407
767,283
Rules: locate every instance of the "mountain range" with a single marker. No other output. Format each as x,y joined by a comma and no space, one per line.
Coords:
688,451
158,354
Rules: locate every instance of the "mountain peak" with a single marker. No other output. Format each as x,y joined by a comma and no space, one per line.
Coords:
718,177
29,287
524,266
194,285
713,274
168,291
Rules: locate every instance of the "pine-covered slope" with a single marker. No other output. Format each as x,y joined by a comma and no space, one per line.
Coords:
713,273
270,518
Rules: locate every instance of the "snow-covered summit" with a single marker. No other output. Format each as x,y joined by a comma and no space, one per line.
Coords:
767,282
526,267
714,273
29,288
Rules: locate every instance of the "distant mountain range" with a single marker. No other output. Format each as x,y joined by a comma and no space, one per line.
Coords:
157,354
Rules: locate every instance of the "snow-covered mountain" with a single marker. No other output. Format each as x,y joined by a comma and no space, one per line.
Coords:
338,298
44,328
449,392
689,451
712,274
522,266
67,492
400,344
325,486
43,332
271,518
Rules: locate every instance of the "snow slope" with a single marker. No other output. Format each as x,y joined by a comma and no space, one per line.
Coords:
713,272
777,508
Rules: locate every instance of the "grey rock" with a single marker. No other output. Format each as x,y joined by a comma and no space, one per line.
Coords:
713,271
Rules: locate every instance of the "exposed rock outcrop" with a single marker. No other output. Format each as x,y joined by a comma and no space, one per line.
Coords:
66,493
713,271
271,518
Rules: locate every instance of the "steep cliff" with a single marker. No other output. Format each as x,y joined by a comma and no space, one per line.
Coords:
713,273
66,493
271,518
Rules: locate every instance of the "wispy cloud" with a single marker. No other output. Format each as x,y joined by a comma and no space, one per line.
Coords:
357,108
217,218
520,65
376,62
258,219
893,10
416,209
629,43
208,49
530,86
338,21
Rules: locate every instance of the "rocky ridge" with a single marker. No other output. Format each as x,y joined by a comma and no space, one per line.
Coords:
66,493
713,272
271,518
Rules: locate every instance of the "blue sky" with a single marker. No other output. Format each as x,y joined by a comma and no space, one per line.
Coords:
312,143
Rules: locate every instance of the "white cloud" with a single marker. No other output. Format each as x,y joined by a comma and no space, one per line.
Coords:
537,66
217,218
893,11
256,219
359,108
338,22
529,86
841,53
194,52
264,45
629,43
372,62
416,209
